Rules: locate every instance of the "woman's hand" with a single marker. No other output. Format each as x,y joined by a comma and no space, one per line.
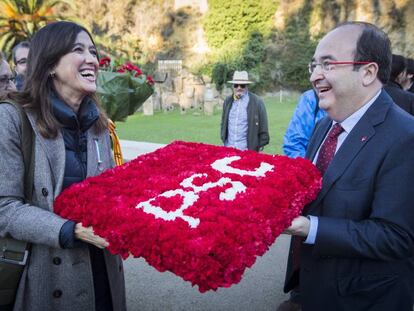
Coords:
86,234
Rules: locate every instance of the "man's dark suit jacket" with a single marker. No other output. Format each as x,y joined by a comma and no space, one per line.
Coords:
362,258
411,89
402,98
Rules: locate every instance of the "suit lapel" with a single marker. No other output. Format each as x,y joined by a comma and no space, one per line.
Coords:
317,138
55,152
353,143
360,135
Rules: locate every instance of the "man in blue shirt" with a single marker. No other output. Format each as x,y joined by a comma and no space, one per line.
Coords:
300,128
244,118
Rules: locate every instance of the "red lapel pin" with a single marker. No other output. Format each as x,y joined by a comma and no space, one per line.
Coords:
364,138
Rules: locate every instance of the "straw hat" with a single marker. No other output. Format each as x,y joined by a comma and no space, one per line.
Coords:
240,77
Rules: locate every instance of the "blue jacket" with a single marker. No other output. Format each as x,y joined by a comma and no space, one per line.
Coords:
301,125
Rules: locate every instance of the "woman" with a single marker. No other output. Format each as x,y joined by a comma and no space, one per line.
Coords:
69,268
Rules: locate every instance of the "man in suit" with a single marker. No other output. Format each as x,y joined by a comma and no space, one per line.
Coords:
394,87
353,247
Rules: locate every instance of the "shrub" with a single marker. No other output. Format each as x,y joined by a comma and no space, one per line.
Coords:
229,21
296,48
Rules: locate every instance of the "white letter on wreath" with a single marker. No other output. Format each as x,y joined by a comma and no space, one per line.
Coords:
190,197
222,166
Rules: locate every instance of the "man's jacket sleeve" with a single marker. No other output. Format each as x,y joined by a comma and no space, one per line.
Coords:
301,125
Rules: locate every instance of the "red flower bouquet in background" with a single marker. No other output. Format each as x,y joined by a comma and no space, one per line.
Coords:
200,211
122,88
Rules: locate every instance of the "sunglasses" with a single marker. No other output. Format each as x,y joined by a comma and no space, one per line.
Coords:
237,85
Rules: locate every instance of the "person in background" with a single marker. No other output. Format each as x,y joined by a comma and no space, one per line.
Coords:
353,247
244,119
69,267
295,142
394,87
301,125
6,76
409,83
20,53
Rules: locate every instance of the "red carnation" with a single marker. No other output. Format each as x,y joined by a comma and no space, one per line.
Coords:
150,80
139,208
104,62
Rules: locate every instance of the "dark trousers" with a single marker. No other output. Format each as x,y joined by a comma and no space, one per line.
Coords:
7,308
295,295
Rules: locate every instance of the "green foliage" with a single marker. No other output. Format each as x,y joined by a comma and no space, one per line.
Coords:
20,19
166,127
296,48
250,59
273,58
229,21
276,60
220,74
254,51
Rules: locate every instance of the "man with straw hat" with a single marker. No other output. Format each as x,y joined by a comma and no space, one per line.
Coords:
244,118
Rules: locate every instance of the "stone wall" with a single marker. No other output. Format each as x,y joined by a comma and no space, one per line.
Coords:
184,91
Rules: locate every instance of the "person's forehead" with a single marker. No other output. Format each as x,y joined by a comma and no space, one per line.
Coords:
22,52
339,44
4,68
83,38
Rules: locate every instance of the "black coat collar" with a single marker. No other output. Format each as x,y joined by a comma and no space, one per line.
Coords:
86,117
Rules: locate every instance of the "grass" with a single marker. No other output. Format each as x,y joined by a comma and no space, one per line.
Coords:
196,127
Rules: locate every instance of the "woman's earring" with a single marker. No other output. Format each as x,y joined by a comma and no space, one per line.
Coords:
52,74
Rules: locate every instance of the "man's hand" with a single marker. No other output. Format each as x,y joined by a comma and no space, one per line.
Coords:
300,226
86,234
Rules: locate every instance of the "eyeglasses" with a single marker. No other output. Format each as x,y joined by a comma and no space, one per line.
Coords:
5,79
237,85
328,65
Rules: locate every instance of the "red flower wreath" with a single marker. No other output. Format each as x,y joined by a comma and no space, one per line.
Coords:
200,211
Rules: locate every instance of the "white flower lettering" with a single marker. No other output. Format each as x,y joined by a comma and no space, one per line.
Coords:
222,166
190,197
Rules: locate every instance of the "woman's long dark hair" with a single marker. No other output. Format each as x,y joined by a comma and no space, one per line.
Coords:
47,47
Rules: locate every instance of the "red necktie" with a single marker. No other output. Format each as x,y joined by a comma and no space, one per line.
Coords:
327,151
326,154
